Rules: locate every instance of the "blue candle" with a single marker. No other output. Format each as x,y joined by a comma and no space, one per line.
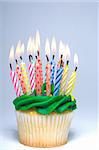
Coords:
52,70
58,80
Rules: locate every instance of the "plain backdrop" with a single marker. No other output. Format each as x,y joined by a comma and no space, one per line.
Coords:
73,23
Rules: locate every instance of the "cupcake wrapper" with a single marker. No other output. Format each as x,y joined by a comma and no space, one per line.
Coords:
43,130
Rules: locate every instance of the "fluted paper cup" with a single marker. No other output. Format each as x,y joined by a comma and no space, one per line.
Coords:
43,130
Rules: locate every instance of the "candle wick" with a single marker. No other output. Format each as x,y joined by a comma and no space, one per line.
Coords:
21,57
30,58
10,66
47,58
53,56
16,61
75,68
38,53
61,56
67,62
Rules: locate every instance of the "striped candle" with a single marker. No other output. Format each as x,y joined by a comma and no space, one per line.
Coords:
71,83
53,48
58,80
31,69
52,70
66,69
63,81
13,74
15,83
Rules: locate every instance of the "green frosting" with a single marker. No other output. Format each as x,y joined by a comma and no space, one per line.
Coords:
45,104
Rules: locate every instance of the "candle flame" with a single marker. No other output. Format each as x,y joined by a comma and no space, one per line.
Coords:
61,48
67,52
18,48
76,59
11,54
22,49
47,47
53,45
29,45
37,39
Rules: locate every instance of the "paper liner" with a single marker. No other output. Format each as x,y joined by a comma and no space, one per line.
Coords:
43,130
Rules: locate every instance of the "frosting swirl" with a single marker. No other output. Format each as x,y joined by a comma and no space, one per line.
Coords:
45,104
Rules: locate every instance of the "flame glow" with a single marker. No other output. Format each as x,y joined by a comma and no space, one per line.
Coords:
47,48
11,54
76,60
67,52
18,50
37,40
61,48
53,46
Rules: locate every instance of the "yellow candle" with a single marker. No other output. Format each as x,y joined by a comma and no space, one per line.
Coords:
71,83
24,72
65,72
64,79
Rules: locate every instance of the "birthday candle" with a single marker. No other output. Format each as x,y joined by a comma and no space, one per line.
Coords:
48,68
53,47
65,72
18,69
24,71
59,70
37,46
31,66
37,78
13,74
72,80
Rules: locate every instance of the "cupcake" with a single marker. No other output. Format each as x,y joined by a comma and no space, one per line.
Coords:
44,110
44,121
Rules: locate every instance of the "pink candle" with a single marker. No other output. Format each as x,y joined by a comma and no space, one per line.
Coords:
15,83
13,74
31,66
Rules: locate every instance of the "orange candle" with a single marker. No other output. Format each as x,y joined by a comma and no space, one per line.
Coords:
18,69
48,68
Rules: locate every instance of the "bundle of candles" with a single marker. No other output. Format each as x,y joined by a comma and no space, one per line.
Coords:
29,80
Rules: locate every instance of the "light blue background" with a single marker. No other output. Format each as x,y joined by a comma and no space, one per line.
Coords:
73,23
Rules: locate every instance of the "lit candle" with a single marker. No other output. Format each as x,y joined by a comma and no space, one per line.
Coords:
72,80
37,78
31,66
53,47
24,72
37,43
59,70
18,69
13,74
65,72
48,67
